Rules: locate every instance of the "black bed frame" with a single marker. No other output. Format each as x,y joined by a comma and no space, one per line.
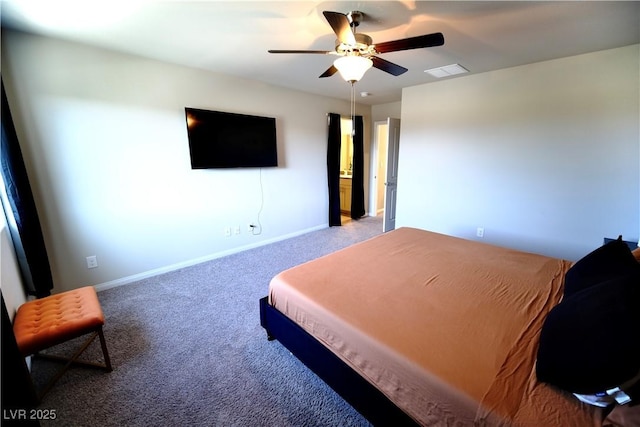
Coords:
353,388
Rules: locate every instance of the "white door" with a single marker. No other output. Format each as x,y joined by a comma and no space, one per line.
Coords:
391,183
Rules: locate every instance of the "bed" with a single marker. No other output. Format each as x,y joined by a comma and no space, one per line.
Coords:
418,328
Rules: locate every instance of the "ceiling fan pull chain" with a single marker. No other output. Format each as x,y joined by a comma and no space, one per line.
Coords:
353,109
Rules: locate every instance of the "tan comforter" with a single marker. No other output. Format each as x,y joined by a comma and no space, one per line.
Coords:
447,328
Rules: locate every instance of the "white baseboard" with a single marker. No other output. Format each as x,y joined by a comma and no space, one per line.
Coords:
157,271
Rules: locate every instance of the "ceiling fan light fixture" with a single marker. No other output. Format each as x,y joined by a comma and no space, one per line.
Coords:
352,68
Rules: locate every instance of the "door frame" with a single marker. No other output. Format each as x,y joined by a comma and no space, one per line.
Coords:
391,174
375,180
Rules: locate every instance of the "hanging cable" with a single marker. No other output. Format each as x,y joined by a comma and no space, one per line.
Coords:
256,229
353,108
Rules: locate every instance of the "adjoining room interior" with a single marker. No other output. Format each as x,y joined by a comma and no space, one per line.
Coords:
346,169
519,127
379,167
346,166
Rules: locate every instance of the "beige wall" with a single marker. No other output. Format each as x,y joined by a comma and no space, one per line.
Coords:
104,140
543,156
382,111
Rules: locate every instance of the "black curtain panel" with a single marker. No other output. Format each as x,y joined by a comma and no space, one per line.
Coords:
20,209
357,180
17,393
333,168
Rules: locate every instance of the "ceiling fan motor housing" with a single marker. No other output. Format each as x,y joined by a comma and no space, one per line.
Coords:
362,47
355,17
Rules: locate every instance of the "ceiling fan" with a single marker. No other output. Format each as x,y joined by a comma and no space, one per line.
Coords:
357,51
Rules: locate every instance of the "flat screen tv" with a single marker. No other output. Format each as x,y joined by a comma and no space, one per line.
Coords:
228,140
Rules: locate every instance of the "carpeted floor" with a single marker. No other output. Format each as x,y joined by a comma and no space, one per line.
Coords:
188,350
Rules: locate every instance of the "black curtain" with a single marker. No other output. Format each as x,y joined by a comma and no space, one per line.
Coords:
18,392
333,168
357,180
21,212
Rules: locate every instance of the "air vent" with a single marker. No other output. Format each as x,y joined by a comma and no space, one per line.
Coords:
447,70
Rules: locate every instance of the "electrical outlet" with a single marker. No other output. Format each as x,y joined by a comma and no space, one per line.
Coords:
480,232
236,229
227,231
92,261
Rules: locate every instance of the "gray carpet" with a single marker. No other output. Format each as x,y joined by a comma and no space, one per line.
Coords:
188,350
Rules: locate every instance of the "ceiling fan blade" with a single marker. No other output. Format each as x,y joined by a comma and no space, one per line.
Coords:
427,40
340,24
323,52
389,67
330,72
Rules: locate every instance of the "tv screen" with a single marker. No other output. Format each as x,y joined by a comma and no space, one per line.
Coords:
228,140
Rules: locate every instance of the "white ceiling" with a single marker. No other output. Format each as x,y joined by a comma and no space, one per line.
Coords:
233,37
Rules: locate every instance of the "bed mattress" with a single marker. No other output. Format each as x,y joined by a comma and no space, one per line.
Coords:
446,328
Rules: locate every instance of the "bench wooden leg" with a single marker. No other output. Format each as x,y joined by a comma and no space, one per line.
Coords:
73,360
105,352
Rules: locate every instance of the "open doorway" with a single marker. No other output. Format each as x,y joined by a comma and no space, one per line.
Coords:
346,168
384,171
378,168
353,170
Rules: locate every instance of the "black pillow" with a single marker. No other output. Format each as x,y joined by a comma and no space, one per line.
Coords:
590,342
608,261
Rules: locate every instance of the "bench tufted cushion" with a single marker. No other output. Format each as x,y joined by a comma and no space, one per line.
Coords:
48,321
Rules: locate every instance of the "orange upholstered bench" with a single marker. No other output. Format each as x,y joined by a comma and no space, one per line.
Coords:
49,321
